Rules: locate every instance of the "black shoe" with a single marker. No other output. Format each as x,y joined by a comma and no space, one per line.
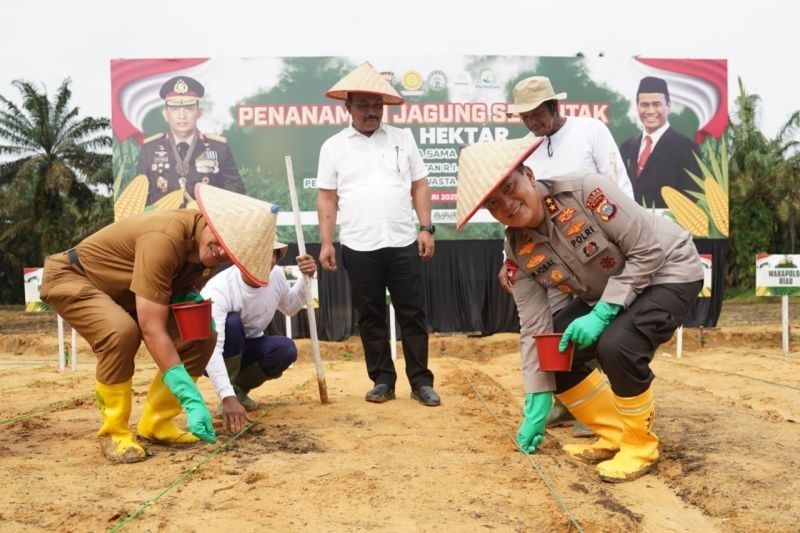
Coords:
426,396
380,393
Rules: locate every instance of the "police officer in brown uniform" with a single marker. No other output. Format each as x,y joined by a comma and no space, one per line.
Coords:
184,156
635,276
115,288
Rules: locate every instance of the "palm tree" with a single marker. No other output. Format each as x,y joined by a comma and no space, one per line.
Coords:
785,148
765,187
52,178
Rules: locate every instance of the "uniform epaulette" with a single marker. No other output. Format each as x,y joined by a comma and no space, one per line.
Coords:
153,137
218,138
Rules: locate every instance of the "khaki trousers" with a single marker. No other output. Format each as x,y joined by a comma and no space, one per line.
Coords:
111,331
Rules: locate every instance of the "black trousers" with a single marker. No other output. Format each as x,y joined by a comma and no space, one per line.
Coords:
370,273
627,345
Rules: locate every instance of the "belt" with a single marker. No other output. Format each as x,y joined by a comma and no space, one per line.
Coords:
72,255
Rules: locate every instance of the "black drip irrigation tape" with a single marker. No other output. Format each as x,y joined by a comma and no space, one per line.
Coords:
550,487
750,351
725,372
187,473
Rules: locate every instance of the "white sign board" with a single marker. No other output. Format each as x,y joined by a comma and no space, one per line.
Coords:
33,284
777,270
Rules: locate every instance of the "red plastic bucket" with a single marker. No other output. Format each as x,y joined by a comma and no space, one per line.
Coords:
193,319
550,359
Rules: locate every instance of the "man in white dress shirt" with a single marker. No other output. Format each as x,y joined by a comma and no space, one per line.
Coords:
372,175
244,357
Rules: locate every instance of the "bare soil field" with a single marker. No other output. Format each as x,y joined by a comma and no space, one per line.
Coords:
727,414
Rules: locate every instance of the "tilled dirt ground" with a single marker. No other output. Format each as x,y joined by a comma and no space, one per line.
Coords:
727,416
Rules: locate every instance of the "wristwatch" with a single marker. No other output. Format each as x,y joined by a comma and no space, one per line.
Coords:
430,229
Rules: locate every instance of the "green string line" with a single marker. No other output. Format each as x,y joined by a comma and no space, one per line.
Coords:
49,408
177,481
54,407
732,374
68,378
75,378
550,487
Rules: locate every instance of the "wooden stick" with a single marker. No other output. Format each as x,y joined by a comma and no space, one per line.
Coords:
312,319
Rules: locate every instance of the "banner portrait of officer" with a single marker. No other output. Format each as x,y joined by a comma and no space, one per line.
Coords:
171,163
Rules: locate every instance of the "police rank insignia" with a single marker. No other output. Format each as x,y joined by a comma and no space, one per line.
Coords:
552,205
566,214
527,248
535,260
575,228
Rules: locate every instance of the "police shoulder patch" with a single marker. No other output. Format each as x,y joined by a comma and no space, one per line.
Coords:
594,198
153,138
218,138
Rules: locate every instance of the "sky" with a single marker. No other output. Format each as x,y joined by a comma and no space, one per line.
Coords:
47,41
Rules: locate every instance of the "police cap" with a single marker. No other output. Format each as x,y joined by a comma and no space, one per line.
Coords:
181,90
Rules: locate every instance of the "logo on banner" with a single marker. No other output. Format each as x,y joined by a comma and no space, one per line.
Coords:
412,81
388,75
437,80
487,78
463,79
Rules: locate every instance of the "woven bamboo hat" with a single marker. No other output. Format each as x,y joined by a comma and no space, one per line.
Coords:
532,92
281,248
244,227
365,79
482,168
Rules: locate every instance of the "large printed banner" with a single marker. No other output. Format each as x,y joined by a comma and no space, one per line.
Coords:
253,112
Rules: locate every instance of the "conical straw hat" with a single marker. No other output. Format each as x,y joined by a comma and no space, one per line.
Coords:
281,248
483,167
244,227
365,79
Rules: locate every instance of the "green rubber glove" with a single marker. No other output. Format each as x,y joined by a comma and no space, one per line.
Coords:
187,296
531,431
195,297
198,419
585,330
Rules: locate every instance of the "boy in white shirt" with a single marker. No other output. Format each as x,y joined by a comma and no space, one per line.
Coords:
244,357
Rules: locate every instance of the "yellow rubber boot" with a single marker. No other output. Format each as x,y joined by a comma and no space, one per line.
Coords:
638,451
156,424
592,403
116,440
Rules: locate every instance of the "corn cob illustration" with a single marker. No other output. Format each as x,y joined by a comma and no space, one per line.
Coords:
132,200
172,200
686,212
717,204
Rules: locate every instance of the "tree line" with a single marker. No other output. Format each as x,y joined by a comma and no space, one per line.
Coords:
56,179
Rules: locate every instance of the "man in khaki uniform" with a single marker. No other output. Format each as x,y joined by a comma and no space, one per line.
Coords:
115,287
635,277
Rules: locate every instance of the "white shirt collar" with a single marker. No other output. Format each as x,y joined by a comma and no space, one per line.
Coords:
656,135
352,132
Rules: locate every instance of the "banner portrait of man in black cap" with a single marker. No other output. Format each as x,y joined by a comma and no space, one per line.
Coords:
184,156
659,155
